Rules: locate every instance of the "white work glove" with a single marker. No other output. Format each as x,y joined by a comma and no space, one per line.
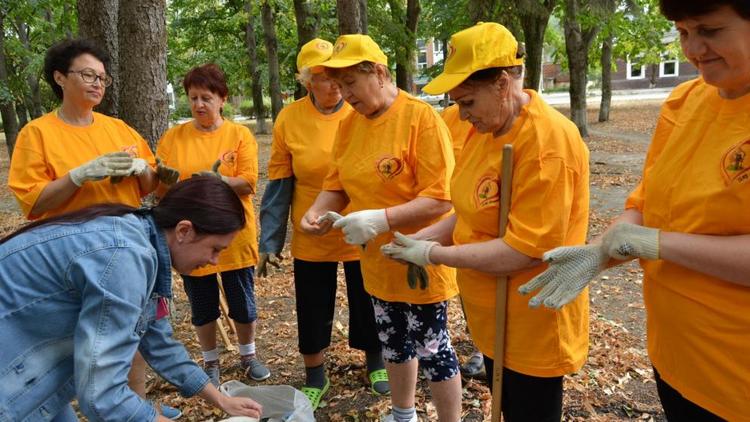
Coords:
213,172
361,226
113,164
626,241
410,250
571,268
137,167
265,259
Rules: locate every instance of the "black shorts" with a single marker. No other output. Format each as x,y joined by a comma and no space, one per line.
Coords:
315,291
203,293
678,408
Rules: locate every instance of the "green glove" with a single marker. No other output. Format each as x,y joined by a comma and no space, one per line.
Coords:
112,164
571,268
213,172
265,258
626,241
166,174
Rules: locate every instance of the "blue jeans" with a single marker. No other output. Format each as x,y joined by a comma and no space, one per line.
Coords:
67,415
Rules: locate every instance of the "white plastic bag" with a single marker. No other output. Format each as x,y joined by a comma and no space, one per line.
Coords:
281,403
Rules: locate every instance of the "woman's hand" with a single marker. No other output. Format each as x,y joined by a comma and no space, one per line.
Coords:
316,223
240,406
407,249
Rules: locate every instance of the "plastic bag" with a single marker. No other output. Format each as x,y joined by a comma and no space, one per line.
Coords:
281,403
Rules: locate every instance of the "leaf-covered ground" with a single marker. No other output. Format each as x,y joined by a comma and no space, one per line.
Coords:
615,384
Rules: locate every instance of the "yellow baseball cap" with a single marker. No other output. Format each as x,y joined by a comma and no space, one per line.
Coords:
351,49
313,53
483,46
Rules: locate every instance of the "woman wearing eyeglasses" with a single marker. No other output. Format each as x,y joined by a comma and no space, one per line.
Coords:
73,157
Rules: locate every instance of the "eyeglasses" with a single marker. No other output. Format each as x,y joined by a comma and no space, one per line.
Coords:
89,76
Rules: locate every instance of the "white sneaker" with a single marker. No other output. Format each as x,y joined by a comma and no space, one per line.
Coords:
390,418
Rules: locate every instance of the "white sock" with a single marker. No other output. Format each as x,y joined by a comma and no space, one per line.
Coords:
211,355
403,415
247,349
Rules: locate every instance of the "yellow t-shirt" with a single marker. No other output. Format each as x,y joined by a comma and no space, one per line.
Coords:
402,154
548,208
302,142
460,129
189,150
48,148
697,180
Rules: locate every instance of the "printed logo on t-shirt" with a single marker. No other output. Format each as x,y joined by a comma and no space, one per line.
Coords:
487,192
735,164
132,150
389,167
228,158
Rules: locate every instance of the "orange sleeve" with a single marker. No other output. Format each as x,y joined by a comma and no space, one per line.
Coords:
434,161
280,163
247,158
29,173
332,181
541,202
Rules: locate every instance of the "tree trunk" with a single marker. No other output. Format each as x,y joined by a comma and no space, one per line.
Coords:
32,98
272,51
143,67
307,29
363,23
7,110
21,114
606,62
534,23
482,10
97,21
350,20
412,18
577,43
251,45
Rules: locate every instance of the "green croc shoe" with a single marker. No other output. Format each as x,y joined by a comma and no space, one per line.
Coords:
379,382
316,394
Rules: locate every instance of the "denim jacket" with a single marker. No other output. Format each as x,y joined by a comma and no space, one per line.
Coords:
274,214
76,300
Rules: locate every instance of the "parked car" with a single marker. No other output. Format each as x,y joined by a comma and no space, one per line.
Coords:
431,99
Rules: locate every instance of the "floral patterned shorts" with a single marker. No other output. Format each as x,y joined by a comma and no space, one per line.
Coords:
408,331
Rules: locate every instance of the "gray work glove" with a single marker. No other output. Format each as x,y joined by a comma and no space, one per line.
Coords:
570,270
167,175
407,249
108,165
265,259
137,167
213,172
627,241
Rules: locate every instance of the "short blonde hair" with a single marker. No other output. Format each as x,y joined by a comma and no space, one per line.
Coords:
304,77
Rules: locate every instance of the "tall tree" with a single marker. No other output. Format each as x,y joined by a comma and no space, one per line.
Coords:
97,21
143,67
482,10
272,47
606,63
7,109
402,38
33,98
254,70
534,16
363,21
580,30
307,29
350,21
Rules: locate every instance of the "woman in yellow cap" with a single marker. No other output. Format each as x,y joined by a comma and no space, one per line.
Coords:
548,208
688,223
230,151
392,162
303,137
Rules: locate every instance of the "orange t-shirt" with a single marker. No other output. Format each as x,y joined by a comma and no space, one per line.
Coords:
697,180
302,142
48,148
398,156
460,130
190,150
548,208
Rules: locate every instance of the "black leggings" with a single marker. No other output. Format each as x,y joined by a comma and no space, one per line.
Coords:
315,291
528,398
677,408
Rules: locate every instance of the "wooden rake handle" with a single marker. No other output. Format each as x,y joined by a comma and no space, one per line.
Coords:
501,292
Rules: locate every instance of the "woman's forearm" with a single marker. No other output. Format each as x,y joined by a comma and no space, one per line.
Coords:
492,256
418,210
54,195
441,232
723,257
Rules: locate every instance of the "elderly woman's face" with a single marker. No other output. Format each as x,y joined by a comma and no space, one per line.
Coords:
205,105
325,90
718,44
481,105
77,90
362,91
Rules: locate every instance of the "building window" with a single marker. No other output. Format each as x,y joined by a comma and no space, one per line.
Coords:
635,70
669,67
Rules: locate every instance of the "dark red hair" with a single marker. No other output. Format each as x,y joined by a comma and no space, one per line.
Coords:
208,76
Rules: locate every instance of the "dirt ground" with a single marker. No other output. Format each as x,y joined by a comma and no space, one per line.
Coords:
615,384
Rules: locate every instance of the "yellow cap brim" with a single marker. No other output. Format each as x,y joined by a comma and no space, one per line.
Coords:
444,82
340,63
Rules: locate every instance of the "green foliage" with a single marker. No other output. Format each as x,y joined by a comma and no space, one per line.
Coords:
228,111
246,108
182,109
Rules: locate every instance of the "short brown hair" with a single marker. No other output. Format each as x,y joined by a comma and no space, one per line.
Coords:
208,76
677,10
